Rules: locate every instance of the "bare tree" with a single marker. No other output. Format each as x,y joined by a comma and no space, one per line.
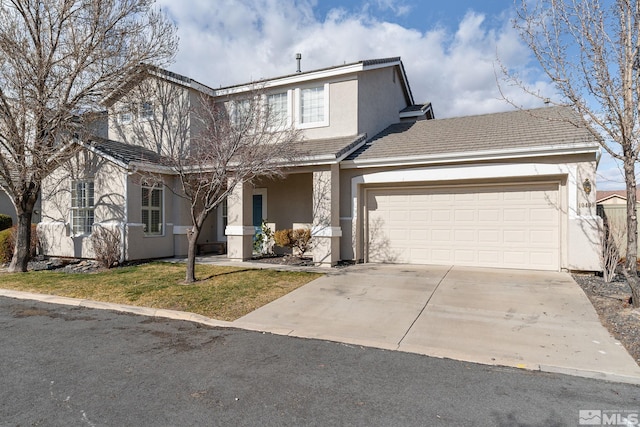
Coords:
58,58
211,144
591,53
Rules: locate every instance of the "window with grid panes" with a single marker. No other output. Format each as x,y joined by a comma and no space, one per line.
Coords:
152,210
312,105
278,109
82,207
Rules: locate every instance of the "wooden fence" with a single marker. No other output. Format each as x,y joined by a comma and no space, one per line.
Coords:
615,217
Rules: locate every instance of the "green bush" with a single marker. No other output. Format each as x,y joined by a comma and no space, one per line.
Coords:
5,222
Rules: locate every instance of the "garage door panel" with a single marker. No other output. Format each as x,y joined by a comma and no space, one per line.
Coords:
441,256
498,226
488,215
488,236
464,256
548,215
468,215
441,235
464,236
489,257
441,215
516,215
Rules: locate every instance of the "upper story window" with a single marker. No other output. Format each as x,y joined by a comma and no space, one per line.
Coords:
82,207
146,111
313,106
125,117
152,210
278,109
241,112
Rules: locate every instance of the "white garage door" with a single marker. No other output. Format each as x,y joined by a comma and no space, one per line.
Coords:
493,226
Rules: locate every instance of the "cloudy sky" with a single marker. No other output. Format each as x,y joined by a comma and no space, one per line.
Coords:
450,49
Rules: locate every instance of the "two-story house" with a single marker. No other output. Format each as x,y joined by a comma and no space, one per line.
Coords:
381,179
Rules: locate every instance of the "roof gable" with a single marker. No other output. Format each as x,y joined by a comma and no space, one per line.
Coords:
603,195
144,71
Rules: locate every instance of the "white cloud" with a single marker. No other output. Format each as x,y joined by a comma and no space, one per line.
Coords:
229,42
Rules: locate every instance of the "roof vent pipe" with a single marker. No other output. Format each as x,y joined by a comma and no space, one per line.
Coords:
298,58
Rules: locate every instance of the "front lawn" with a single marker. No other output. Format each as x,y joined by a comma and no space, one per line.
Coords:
223,293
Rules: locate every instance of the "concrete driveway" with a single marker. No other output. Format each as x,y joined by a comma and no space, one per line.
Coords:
527,319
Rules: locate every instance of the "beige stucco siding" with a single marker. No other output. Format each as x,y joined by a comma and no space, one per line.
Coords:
139,244
380,99
169,123
54,230
290,200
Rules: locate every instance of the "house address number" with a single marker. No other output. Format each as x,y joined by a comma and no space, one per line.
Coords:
587,205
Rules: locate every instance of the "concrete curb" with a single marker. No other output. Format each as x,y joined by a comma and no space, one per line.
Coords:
443,354
192,317
122,308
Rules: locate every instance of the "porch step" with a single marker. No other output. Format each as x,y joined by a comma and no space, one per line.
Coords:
217,248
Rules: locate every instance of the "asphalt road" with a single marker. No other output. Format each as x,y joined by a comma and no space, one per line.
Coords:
69,366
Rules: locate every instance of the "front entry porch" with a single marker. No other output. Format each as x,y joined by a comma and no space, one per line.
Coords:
302,199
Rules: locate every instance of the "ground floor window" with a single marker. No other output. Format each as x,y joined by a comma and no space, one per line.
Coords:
82,207
152,210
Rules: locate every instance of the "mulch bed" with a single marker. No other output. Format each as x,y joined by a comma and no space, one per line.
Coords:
285,260
611,301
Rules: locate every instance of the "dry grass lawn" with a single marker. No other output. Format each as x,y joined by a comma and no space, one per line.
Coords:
223,293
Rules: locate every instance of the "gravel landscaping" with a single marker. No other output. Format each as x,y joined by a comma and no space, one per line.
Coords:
611,301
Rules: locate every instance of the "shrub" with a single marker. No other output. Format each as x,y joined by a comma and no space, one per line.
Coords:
6,246
281,238
5,222
106,245
298,239
7,242
263,243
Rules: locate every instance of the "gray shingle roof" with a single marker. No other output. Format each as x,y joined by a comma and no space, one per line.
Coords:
329,148
125,153
521,129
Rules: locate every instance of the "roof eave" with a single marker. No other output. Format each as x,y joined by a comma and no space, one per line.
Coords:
316,75
469,156
95,150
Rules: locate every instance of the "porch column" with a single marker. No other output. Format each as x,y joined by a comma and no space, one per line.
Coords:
240,229
326,231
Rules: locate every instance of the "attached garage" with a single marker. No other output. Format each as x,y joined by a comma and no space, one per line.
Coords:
506,226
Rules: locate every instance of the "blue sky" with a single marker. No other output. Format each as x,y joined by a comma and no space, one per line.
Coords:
451,50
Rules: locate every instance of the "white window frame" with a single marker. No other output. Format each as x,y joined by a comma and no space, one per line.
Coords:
223,220
241,109
150,209
287,114
299,115
82,207
146,114
124,116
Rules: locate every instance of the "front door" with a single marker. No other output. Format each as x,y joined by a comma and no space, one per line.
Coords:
257,211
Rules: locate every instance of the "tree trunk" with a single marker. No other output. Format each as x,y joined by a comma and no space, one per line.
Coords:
22,247
632,231
192,238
